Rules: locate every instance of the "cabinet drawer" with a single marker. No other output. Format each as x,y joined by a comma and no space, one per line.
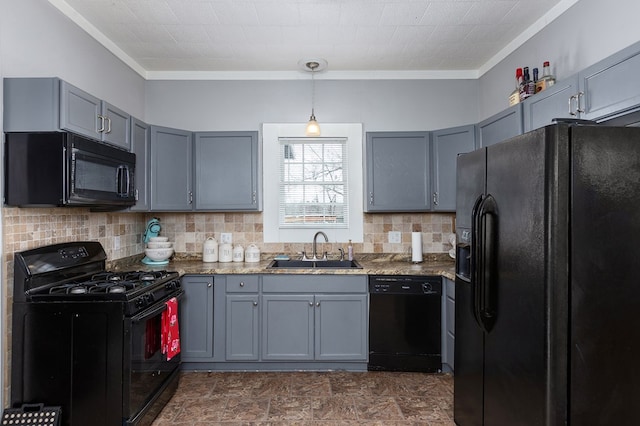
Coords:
242,283
311,283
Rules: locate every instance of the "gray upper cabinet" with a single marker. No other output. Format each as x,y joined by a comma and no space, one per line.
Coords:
397,172
447,144
171,169
227,171
196,318
599,92
499,127
558,101
140,141
51,104
606,85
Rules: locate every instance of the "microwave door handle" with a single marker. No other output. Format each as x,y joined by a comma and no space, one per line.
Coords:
123,180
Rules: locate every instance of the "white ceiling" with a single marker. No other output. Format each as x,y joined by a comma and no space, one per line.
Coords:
163,38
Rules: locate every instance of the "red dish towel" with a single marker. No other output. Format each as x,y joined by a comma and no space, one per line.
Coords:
170,329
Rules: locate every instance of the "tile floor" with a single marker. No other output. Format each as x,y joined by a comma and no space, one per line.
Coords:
310,398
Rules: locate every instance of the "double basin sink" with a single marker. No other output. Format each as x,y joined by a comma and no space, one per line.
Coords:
314,264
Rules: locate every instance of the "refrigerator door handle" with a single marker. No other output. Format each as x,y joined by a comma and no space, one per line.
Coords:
474,269
487,218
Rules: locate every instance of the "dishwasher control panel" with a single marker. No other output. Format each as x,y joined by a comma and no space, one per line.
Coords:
398,284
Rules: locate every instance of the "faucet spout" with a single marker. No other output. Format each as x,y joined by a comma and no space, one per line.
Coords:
315,237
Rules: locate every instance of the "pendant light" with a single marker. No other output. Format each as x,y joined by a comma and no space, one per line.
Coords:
313,128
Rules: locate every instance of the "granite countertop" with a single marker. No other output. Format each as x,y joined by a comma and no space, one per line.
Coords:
372,264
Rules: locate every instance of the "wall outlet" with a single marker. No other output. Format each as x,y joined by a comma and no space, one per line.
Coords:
225,238
395,237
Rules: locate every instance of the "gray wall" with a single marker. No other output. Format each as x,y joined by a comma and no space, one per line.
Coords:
36,40
379,104
587,32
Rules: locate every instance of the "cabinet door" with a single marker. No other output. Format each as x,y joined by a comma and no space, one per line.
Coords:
227,171
499,127
398,172
79,111
287,327
196,317
447,144
448,323
341,324
242,327
171,169
607,85
140,139
539,110
117,126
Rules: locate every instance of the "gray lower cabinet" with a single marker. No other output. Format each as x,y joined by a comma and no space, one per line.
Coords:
447,144
242,318
227,171
140,141
314,318
51,104
171,169
398,172
499,127
196,318
448,323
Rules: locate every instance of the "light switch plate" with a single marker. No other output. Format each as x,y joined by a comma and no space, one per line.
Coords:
225,238
395,237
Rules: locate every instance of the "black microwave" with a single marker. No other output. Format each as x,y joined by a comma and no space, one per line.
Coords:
64,169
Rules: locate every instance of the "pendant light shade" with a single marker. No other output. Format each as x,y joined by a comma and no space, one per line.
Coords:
313,128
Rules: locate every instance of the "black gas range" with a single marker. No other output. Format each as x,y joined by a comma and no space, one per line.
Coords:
90,340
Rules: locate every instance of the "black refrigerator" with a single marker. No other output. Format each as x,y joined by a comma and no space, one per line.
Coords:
547,322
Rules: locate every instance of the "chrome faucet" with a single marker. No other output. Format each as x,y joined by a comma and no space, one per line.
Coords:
326,240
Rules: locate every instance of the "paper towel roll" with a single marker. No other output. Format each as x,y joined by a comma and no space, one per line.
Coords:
416,247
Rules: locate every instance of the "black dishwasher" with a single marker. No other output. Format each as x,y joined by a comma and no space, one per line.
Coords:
405,323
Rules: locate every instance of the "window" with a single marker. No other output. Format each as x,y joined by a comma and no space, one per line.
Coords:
313,183
340,216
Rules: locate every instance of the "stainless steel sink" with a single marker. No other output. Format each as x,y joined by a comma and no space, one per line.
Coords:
311,264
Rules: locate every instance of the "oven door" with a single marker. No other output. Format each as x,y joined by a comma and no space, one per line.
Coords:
146,368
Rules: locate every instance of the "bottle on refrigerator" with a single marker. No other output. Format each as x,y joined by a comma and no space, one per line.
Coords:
547,80
514,98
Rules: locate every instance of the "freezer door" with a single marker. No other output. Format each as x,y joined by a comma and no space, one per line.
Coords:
469,345
521,179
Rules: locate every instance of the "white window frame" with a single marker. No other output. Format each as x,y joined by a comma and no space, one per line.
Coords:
271,135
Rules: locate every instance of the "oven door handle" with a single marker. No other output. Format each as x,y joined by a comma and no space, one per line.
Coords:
155,311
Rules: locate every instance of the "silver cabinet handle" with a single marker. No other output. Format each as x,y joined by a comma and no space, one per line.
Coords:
101,117
317,303
241,284
210,285
310,303
371,198
190,197
108,125
137,195
255,303
578,109
435,198
254,197
571,98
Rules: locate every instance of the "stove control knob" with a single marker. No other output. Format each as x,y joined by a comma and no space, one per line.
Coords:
427,288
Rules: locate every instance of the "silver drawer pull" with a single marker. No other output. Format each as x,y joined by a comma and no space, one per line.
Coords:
241,284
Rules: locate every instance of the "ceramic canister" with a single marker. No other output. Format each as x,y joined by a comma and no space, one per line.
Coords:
226,253
252,254
238,253
210,250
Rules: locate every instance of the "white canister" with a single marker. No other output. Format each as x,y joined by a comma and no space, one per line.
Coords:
238,253
226,253
252,254
210,250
